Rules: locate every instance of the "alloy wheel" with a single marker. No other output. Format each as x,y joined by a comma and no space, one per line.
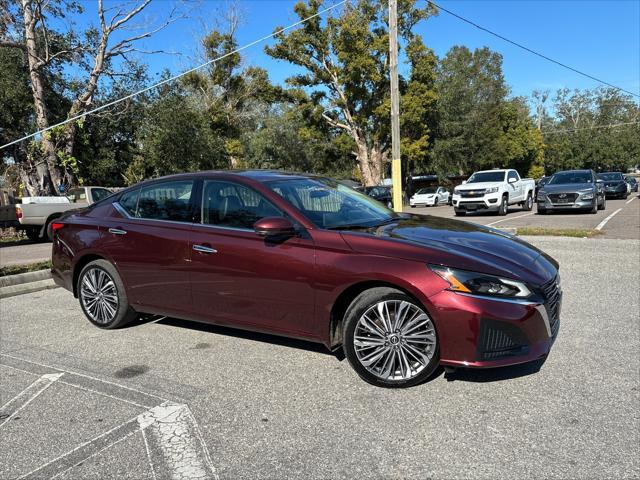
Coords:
99,295
395,340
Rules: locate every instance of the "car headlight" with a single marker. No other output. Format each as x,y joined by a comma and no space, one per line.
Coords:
587,196
491,190
541,195
456,190
480,283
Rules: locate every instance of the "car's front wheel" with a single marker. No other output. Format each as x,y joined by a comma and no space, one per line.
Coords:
389,339
102,296
603,205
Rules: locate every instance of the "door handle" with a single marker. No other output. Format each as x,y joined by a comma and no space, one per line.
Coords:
204,249
117,231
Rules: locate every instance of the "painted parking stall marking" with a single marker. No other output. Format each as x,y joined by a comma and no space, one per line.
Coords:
510,218
28,395
604,222
174,445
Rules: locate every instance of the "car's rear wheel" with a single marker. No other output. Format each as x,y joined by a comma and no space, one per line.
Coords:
102,296
528,204
389,339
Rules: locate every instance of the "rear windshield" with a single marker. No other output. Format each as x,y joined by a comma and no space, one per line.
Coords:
570,177
607,177
486,177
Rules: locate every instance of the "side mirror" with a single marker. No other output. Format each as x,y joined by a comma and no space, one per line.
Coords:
274,227
600,182
464,182
512,180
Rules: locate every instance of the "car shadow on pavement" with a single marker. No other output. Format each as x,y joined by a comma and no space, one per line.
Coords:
494,374
249,335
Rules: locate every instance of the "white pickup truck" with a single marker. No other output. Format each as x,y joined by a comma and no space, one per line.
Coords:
493,190
35,214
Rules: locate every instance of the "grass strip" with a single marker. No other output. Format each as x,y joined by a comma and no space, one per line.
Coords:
30,267
558,232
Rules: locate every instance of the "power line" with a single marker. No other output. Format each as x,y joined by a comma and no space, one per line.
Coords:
175,77
614,125
519,45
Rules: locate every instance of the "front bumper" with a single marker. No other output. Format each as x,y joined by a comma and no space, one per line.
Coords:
488,201
483,332
422,202
615,192
578,204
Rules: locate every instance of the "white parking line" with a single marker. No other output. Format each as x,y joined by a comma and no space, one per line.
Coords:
175,448
604,222
510,218
629,201
27,396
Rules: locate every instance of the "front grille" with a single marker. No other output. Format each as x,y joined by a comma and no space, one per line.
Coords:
563,197
472,193
499,340
552,295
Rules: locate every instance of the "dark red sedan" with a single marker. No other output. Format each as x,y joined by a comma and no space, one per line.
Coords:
305,257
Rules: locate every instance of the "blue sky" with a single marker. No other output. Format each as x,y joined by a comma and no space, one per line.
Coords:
601,38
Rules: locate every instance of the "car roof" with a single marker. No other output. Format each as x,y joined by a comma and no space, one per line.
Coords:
257,175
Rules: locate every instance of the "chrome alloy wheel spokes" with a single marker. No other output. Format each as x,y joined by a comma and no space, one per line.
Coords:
395,340
99,295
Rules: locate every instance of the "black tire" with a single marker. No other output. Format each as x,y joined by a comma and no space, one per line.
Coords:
123,312
527,206
504,206
435,202
594,208
603,205
367,300
33,234
459,213
542,211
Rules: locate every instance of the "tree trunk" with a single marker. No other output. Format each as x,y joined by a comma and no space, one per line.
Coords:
370,161
48,171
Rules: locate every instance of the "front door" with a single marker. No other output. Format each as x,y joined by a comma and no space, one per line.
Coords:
148,240
238,277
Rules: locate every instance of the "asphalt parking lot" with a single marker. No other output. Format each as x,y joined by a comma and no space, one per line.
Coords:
624,224
174,399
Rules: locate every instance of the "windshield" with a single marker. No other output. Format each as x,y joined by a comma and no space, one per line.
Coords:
486,177
608,177
328,204
570,177
424,191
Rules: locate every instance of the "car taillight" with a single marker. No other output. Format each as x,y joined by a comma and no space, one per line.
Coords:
55,226
18,213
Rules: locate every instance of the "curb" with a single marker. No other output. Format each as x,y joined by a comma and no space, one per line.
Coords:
26,277
22,288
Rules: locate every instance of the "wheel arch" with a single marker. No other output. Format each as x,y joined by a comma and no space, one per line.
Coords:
50,218
79,265
346,297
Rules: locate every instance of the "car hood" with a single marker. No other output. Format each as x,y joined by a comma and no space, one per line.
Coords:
568,187
478,186
416,195
459,244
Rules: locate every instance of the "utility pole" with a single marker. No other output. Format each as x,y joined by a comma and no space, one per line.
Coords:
396,165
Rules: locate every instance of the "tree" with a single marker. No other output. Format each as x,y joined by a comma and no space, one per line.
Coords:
48,50
471,96
235,98
345,70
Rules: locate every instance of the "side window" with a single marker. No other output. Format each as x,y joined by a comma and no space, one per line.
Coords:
233,205
129,201
99,193
512,175
166,201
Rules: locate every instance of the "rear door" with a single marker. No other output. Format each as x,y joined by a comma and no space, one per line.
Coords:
240,278
148,239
